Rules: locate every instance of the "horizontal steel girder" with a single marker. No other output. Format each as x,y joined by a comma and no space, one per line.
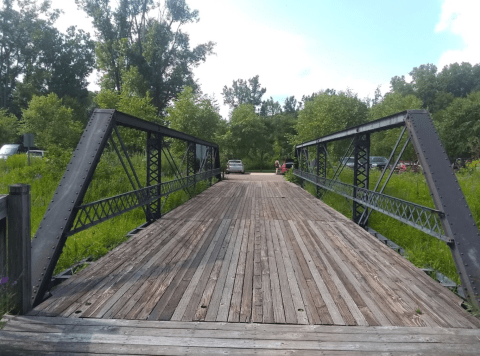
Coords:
386,123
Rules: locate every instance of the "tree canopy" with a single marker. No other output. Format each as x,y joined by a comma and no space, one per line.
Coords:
129,36
243,92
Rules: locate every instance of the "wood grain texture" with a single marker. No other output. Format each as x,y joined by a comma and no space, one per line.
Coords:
36,335
256,251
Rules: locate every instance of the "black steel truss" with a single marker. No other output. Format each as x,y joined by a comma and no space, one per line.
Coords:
451,221
154,172
421,217
94,213
66,214
360,171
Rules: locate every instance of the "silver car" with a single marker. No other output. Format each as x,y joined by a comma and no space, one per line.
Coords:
235,166
9,150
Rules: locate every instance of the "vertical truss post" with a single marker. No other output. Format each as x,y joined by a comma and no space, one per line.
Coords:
305,159
154,172
361,172
191,160
209,166
321,164
216,160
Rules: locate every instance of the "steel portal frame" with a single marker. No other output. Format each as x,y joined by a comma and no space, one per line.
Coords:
450,221
67,215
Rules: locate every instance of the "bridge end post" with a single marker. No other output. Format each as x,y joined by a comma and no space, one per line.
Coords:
457,220
19,261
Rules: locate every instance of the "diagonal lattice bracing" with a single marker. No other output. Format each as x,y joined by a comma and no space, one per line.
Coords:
421,217
96,212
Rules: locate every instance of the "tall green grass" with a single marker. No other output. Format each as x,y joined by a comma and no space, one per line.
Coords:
422,250
110,179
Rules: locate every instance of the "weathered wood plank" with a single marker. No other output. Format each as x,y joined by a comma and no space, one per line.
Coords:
183,304
165,307
214,303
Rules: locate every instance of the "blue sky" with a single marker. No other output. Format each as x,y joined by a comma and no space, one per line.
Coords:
301,47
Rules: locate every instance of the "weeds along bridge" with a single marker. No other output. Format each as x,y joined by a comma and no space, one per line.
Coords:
252,265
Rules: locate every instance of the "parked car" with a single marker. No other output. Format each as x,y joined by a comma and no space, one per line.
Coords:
235,166
289,163
9,150
36,153
378,162
348,162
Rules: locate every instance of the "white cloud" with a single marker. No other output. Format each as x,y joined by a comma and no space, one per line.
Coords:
460,17
286,62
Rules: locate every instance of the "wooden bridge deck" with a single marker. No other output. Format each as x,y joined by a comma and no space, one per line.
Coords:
258,250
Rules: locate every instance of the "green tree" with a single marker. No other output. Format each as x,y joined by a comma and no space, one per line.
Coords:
291,105
281,128
383,142
425,83
438,89
328,113
36,59
52,123
243,92
270,107
194,115
248,136
157,46
129,101
459,126
8,127
22,25
459,79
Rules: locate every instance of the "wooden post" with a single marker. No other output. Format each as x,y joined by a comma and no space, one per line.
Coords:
19,246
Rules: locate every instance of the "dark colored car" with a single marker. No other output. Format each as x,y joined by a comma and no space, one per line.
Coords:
378,162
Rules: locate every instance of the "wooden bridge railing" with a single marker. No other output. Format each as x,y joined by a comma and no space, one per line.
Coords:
15,245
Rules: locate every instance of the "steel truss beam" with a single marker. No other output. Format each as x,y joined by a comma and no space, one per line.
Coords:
94,213
154,172
421,217
361,170
452,219
66,214
321,165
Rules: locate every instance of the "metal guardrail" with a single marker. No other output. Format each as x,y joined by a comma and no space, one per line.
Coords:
420,217
96,212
